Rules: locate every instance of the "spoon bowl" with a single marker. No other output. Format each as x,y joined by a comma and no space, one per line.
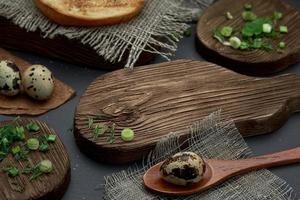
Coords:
218,171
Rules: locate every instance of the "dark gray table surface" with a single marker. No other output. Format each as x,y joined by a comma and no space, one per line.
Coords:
87,175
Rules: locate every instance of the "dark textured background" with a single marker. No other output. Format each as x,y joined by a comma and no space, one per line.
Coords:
87,175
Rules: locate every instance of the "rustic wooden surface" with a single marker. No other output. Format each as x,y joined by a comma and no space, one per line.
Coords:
218,171
46,187
157,99
13,37
22,104
257,62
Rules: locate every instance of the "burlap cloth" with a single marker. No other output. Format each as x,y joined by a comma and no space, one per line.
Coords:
213,138
157,29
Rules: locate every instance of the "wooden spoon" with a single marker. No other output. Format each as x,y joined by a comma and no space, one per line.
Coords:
218,171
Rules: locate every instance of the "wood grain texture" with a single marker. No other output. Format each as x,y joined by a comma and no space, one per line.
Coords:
219,171
257,62
14,37
22,104
51,186
157,99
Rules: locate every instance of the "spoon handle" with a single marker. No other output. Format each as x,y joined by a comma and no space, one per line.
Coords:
287,157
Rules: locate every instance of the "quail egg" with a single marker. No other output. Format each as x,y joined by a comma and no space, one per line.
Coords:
183,169
38,82
10,78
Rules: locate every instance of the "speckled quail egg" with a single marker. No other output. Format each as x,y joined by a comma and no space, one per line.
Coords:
38,82
183,169
10,78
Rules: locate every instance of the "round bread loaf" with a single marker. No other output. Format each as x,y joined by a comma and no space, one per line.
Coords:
89,12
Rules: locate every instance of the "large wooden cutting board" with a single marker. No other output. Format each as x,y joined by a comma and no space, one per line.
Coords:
14,37
157,99
50,186
257,62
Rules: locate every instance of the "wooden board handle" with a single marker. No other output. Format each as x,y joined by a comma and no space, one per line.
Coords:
237,167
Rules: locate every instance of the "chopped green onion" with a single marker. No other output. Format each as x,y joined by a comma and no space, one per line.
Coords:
283,29
32,127
248,16
248,6
51,138
15,150
218,36
20,133
127,135
282,45
90,122
277,15
226,31
244,45
22,154
46,166
257,43
229,15
44,147
267,28
11,171
33,144
111,137
99,129
235,42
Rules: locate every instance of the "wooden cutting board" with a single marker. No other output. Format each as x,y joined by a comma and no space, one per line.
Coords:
14,37
257,62
50,186
158,99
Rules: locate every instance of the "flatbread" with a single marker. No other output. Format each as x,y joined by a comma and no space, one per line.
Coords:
89,12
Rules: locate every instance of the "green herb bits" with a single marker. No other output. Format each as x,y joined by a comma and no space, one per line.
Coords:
46,166
226,31
235,42
283,29
248,16
33,144
255,33
51,138
11,171
247,6
127,135
267,28
277,15
32,127
282,45
229,16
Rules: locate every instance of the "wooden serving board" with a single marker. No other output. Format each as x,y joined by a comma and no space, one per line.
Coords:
14,37
51,186
22,104
158,99
257,62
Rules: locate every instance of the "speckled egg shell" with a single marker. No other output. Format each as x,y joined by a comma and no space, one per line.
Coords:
38,82
10,78
183,169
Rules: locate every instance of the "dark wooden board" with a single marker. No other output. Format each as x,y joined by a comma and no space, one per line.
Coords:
157,99
47,187
22,104
14,37
257,62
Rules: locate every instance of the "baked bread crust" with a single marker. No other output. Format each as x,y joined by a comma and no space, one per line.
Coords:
89,12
